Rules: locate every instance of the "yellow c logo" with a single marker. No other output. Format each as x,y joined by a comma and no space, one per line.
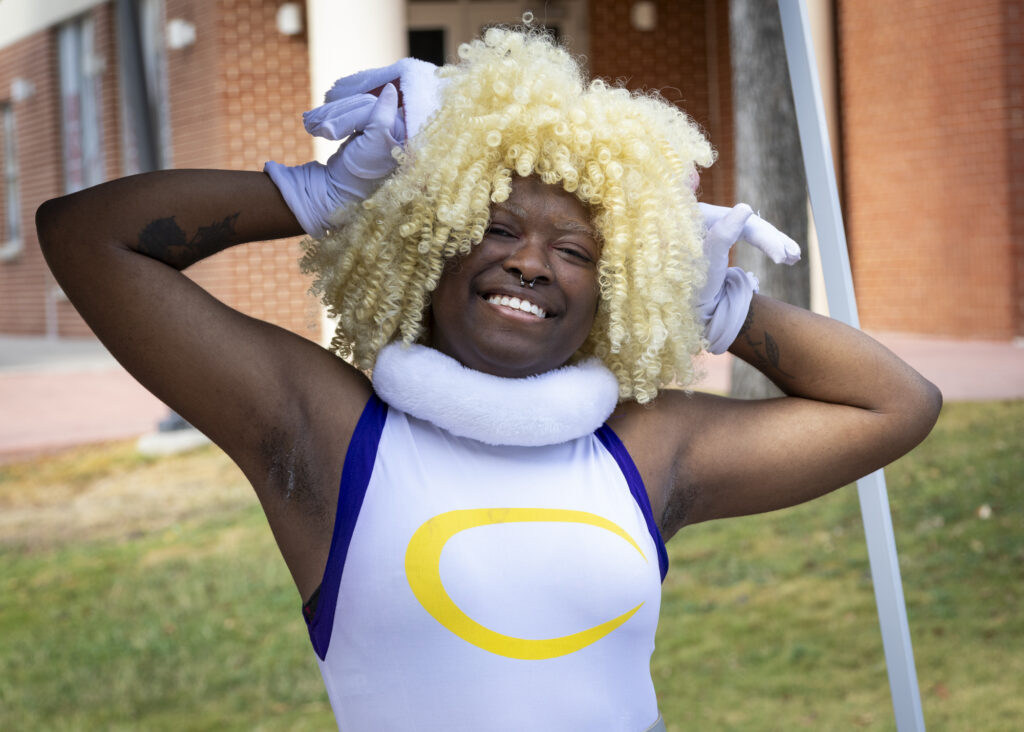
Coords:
423,570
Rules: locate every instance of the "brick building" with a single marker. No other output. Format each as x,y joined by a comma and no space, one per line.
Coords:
228,98
933,142
930,100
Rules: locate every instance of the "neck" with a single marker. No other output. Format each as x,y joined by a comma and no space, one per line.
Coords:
545,409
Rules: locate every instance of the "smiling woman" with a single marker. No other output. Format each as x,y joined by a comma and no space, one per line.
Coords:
477,534
539,253
517,106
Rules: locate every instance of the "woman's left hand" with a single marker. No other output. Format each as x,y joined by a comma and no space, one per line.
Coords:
724,299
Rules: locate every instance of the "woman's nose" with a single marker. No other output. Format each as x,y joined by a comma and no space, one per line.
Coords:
529,260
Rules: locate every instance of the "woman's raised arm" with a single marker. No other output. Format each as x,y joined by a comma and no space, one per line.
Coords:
852,406
268,397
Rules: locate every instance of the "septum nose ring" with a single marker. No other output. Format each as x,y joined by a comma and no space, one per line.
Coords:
524,283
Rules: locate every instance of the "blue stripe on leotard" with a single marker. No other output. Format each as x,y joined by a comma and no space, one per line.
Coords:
614,445
355,476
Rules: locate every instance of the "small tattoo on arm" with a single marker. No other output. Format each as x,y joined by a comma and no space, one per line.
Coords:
165,240
772,349
162,239
770,356
216,233
748,322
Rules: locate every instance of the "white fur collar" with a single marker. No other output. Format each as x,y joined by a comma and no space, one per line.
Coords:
546,409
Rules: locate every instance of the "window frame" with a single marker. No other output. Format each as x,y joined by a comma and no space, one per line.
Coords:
79,70
13,242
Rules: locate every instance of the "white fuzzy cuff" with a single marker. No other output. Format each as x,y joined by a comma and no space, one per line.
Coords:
546,409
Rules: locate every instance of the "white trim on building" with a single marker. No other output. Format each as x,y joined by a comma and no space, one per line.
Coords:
21,18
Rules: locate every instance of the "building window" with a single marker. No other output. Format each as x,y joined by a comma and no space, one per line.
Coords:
80,68
10,236
144,109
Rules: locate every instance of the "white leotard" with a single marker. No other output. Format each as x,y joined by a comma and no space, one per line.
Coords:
473,587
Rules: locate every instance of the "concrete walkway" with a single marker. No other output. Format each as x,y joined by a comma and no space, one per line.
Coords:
59,394
63,393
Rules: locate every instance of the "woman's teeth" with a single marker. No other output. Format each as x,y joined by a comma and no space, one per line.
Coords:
516,304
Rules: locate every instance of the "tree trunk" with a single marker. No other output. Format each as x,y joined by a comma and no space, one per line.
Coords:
769,162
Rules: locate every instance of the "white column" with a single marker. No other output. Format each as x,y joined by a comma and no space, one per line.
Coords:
346,36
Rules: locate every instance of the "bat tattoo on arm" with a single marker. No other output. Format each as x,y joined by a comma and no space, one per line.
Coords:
165,240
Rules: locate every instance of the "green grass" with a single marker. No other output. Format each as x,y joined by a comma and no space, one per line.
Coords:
193,628
184,617
769,622
193,625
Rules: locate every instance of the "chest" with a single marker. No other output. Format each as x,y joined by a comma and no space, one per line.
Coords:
496,543
496,573
529,542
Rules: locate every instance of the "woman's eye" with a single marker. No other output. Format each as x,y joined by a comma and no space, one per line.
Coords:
498,231
576,254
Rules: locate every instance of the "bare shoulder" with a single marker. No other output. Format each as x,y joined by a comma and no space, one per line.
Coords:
658,435
851,407
278,404
705,457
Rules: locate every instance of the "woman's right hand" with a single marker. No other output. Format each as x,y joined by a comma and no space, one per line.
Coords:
314,191
377,110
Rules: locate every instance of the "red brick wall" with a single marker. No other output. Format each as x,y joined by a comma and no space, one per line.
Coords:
1013,34
932,113
24,280
933,220
237,99
25,283
686,57
194,90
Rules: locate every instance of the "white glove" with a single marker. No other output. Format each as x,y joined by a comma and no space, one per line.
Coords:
314,192
417,80
724,300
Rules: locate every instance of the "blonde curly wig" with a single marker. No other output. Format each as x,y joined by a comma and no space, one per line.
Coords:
517,104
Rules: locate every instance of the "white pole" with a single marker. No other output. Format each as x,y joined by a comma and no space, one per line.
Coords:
874,502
